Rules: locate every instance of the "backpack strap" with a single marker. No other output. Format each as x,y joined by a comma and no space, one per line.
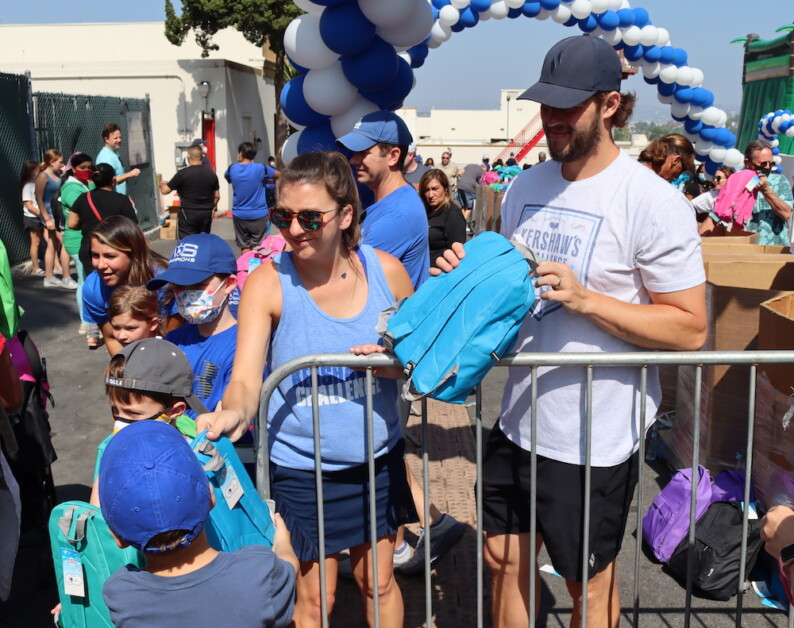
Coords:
7,435
37,364
92,206
216,462
65,524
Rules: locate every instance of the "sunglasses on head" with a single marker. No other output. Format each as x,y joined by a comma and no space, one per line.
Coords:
308,219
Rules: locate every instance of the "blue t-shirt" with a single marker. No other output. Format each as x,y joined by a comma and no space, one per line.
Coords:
248,181
209,597
397,225
107,156
96,296
211,359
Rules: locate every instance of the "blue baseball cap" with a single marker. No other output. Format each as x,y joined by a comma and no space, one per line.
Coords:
151,482
196,258
379,126
575,69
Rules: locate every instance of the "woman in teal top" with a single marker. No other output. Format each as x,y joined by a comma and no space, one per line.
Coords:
76,182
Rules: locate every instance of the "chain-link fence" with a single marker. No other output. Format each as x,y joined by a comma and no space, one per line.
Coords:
16,146
70,122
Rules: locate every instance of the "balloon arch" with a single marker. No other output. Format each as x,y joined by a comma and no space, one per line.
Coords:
358,56
770,126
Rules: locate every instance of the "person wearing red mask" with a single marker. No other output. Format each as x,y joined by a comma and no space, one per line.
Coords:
88,197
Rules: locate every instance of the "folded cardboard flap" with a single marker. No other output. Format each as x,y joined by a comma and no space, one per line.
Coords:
736,235
718,245
776,333
753,271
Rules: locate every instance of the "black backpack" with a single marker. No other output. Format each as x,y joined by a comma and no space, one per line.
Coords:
718,546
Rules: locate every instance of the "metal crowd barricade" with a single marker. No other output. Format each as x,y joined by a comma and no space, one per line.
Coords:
588,361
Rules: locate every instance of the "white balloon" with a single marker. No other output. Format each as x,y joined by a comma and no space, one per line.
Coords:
776,125
458,4
624,4
515,4
561,14
668,74
343,123
303,44
711,116
289,149
703,148
692,137
665,100
433,43
327,91
613,37
662,36
651,70
544,14
632,35
734,158
309,6
648,35
679,109
615,4
790,131
786,117
499,10
414,30
440,31
386,13
599,6
695,113
685,75
485,15
775,143
777,159
580,9
697,79
448,15
718,154
723,118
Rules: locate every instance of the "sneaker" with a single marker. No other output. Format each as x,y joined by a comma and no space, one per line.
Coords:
38,273
403,555
83,329
443,536
68,283
58,272
54,282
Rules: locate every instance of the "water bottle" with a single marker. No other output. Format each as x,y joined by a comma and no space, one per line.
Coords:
652,449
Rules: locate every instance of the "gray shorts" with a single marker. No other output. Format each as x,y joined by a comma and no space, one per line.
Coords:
249,233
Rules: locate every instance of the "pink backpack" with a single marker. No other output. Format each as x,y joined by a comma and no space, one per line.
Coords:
267,248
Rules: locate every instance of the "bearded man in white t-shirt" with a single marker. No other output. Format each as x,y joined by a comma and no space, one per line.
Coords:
621,270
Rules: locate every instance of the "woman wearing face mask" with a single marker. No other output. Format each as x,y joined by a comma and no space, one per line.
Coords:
325,295
121,255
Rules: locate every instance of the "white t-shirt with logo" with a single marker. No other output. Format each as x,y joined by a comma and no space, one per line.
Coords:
622,232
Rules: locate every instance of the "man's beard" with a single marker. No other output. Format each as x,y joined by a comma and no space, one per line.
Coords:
579,145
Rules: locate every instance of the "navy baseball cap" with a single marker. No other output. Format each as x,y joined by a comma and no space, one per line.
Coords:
575,69
196,258
151,482
380,126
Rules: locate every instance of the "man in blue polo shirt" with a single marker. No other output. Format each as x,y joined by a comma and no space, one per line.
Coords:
396,222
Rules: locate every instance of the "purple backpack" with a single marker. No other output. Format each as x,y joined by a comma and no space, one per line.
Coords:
666,523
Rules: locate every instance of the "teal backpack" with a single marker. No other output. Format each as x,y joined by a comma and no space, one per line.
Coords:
239,516
459,324
85,555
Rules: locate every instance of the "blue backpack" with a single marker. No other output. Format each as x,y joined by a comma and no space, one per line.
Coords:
459,324
239,517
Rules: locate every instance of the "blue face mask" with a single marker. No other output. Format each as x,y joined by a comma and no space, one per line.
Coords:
196,306
702,177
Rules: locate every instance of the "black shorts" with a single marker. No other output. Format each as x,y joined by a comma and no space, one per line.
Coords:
193,221
32,224
249,233
560,500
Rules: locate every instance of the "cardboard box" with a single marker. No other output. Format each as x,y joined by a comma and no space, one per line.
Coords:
776,333
718,245
168,228
748,237
736,287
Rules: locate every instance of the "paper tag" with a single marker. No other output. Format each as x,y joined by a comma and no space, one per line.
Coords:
752,184
271,506
230,486
73,582
254,263
729,226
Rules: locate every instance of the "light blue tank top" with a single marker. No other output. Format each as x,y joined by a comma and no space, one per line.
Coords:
50,191
304,328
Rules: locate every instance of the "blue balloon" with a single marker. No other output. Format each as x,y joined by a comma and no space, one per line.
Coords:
469,17
317,137
299,68
609,20
345,30
684,94
457,27
633,53
571,21
373,69
530,8
435,13
667,89
480,5
588,24
514,13
708,133
711,166
666,55
652,53
693,126
550,5
651,80
399,88
680,119
679,57
418,52
418,63
440,4
295,106
641,17
775,150
626,17
703,98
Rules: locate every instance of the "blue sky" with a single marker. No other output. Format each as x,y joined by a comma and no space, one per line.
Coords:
467,71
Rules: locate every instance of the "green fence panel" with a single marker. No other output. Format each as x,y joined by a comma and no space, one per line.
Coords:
16,147
70,123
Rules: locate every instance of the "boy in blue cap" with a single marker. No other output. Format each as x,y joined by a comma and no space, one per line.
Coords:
156,498
202,271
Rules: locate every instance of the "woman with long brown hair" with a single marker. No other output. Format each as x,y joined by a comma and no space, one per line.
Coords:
444,217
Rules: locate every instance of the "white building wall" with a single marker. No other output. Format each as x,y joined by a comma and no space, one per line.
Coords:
133,60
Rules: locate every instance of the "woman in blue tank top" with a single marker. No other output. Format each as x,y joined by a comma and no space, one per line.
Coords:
324,295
